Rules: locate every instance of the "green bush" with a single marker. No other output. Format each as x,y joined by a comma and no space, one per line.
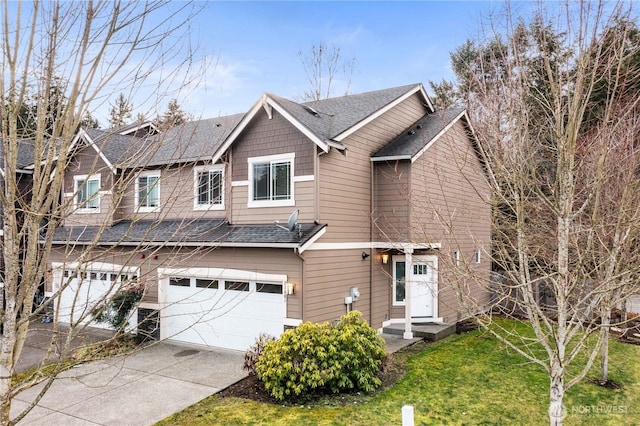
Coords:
323,357
117,311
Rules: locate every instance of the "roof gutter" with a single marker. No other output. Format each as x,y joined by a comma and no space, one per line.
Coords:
312,240
390,158
178,244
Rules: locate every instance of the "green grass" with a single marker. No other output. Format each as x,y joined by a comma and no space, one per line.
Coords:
469,379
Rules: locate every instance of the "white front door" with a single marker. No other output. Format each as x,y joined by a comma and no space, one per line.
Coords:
424,284
422,288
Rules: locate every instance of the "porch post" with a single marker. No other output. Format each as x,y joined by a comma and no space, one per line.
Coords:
408,279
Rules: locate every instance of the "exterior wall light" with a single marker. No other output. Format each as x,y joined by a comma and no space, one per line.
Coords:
289,288
385,258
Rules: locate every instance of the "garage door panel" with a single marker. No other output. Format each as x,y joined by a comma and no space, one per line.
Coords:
88,289
227,317
80,297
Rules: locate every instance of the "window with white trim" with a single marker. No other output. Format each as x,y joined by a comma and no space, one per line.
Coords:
148,191
478,256
209,187
271,180
87,193
399,283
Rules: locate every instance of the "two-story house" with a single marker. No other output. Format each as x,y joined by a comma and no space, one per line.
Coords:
374,194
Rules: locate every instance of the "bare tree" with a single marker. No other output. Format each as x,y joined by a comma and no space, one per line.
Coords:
564,182
90,44
323,65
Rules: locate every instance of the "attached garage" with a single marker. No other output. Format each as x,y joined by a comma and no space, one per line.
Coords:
85,287
220,307
633,304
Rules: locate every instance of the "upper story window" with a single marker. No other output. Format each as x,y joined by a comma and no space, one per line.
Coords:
87,193
271,180
148,191
209,187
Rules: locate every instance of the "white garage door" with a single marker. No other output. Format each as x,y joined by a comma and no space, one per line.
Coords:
81,295
633,304
223,313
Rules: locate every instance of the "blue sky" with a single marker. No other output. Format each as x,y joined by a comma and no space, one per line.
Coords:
252,47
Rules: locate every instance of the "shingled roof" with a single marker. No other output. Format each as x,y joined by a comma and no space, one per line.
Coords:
328,118
25,155
325,121
409,144
199,232
192,141
117,149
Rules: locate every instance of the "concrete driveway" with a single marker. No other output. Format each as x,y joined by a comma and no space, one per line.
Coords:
138,389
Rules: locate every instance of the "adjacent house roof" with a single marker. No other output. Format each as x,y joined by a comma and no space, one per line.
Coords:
24,158
193,141
416,139
199,232
114,148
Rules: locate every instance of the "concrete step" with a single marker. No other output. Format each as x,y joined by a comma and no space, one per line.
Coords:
428,331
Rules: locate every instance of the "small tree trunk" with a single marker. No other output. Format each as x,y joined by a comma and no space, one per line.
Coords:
556,393
6,371
5,401
604,354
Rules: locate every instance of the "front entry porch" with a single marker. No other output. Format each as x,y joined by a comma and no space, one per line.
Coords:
427,331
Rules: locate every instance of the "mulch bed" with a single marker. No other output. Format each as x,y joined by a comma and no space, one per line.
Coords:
466,326
608,384
393,369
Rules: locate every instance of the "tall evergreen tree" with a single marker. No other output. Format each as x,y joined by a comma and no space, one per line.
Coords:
120,112
173,116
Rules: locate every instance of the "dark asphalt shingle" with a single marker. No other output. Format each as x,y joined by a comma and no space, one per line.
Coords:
175,232
335,115
410,142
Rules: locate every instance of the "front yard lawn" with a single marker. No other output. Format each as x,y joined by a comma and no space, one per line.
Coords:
465,379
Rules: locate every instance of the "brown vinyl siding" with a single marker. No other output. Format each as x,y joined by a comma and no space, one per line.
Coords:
345,181
381,291
264,137
88,162
304,196
328,277
450,206
391,201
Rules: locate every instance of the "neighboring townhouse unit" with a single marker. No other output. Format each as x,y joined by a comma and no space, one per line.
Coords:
372,192
23,182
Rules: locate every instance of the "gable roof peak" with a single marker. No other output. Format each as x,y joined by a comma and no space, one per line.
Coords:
327,122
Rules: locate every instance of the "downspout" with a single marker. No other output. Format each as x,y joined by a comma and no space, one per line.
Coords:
229,180
371,261
316,165
301,286
408,261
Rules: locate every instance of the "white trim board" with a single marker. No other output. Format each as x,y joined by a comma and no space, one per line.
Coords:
221,273
373,245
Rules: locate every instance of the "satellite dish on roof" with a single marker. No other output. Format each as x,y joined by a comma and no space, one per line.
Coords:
292,223
293,220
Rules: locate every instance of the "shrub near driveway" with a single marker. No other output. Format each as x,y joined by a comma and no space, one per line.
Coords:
466,379
322,358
